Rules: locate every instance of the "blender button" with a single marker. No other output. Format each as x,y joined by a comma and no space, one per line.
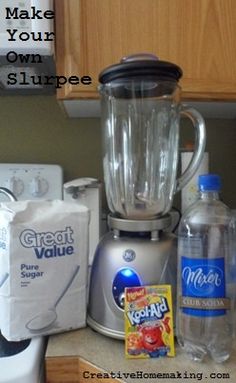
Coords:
122,300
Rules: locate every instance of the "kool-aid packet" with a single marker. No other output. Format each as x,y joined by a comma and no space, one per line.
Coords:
149,322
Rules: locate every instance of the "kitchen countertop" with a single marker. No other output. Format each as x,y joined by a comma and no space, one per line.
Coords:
108,355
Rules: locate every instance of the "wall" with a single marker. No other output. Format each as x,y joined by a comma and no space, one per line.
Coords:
34,129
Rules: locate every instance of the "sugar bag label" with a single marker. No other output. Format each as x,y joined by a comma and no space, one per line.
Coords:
43,267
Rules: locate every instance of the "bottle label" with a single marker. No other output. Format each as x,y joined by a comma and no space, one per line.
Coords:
203,286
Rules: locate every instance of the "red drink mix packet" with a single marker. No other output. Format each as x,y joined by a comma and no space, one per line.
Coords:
149,322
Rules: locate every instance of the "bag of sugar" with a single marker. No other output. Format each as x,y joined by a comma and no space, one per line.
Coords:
43,267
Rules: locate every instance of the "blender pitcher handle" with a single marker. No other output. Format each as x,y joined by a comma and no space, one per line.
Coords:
200,143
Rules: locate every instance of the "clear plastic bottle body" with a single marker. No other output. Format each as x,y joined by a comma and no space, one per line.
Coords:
204,317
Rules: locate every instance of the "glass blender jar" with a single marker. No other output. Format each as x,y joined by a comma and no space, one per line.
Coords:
141,112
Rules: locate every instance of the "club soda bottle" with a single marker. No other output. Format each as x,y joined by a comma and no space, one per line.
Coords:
204,314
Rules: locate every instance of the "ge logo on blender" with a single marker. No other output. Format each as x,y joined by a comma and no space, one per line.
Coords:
48,244
129,255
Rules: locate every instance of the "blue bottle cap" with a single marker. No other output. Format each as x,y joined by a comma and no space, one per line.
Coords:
209,182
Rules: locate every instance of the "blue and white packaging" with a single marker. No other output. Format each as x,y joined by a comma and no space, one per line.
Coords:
43,267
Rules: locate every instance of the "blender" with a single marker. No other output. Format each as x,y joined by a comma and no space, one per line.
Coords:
141,110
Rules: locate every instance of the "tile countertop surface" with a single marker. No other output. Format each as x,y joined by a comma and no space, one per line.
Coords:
108,355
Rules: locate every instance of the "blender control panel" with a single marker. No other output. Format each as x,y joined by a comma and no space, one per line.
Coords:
125,277
31,181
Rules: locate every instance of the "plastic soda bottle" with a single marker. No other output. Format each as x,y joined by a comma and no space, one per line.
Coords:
204,314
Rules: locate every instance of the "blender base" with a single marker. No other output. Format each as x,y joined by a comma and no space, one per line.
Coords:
116,334
143,256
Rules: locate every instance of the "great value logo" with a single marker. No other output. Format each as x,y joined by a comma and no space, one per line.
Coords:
49,244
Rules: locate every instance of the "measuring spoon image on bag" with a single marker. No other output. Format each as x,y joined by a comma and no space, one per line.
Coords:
3,279
45,320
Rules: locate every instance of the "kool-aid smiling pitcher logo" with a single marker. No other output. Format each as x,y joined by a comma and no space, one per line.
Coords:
49,244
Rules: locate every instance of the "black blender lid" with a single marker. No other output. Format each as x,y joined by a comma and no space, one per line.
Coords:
141,65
